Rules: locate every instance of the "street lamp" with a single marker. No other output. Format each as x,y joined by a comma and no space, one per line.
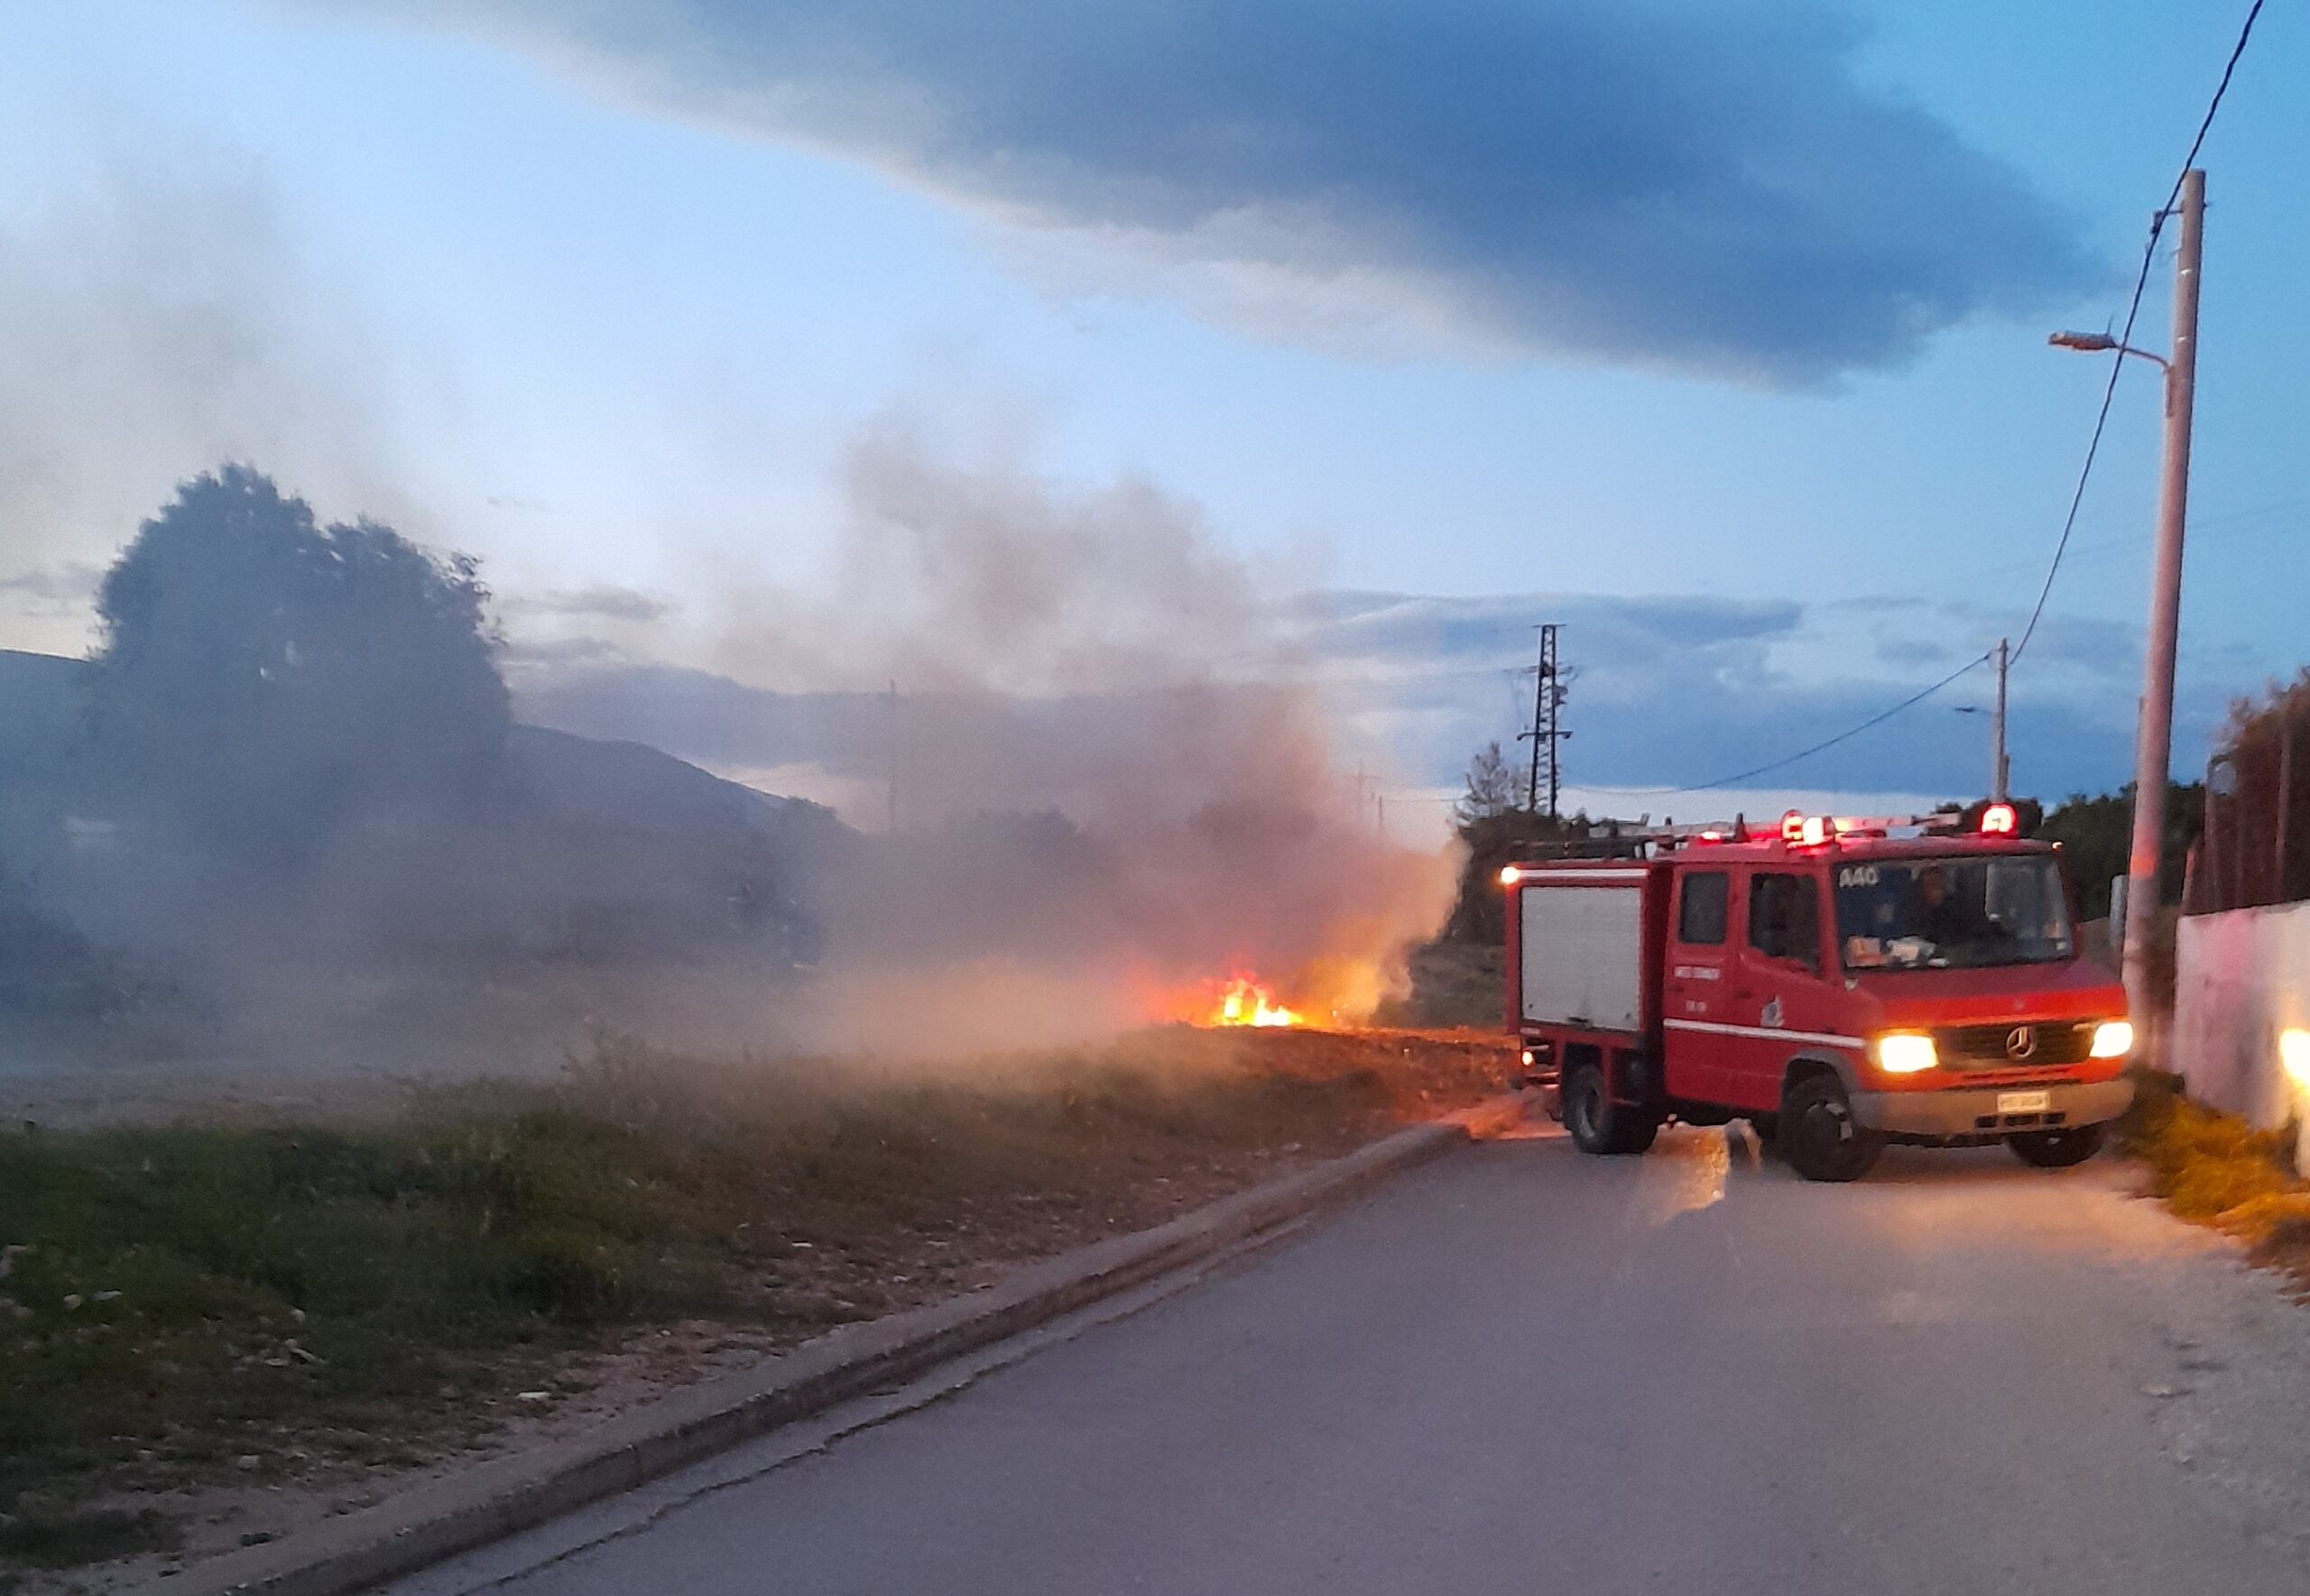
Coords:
2102,343
2154,741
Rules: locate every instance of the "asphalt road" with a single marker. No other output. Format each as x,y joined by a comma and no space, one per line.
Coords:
1519,1370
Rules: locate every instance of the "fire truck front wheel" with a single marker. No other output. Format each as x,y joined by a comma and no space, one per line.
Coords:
1597,1123
1819,1136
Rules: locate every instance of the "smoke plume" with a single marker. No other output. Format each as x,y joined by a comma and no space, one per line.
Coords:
1115,780
158,319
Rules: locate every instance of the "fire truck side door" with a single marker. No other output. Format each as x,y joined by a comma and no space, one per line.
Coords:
1693,990
1776,982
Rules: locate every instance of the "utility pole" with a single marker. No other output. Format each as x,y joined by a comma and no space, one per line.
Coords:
894,758
2285,793
1998,771
1548,693
2154,746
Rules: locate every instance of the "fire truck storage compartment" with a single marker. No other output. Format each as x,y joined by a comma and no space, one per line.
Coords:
1583,953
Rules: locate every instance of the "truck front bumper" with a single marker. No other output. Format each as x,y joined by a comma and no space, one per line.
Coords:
1961,1111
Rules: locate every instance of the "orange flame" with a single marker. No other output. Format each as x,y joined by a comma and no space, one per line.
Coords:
1244,1001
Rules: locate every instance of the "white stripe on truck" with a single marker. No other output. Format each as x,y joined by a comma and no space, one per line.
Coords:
1826,1037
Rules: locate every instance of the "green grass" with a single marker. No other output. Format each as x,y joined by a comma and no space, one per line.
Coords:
176,1298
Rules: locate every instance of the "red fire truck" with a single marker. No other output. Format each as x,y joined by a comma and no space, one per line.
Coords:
1839,984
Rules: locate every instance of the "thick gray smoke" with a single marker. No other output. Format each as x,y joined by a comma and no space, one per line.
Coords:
987,579
286,793
1117,787
1116,782
158,320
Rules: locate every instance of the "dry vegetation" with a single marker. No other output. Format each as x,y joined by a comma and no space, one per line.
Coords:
1454,983
2215,1169
293,1311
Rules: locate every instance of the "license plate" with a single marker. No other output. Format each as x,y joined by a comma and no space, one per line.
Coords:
2024,1102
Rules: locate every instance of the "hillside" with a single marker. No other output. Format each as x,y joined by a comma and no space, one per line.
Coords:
563,893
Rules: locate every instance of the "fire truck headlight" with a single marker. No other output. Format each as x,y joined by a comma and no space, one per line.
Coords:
2113,1038
1905,1052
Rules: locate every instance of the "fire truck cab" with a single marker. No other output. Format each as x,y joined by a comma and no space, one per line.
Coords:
1837,985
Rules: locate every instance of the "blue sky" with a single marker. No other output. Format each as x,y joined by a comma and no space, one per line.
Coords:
1395,300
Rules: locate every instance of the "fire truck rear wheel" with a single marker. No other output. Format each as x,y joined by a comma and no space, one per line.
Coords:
1597,1123
2057,1149
1818,1136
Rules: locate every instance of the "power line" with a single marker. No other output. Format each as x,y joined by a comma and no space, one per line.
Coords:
2085,471
1875,720
2133,310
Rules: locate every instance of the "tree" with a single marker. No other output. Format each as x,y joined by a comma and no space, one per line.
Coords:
259,677
2096,835
1494,840
1494,827
1490,787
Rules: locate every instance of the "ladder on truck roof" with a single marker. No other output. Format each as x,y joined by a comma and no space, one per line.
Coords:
1611,840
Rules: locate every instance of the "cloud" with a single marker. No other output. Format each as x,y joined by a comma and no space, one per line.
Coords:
1699,185
66,584
52,604
1692,691
603,602
1669,690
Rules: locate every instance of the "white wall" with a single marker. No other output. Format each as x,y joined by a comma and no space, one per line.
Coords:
2241,977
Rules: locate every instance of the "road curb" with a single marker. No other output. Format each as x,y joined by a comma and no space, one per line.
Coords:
461,1511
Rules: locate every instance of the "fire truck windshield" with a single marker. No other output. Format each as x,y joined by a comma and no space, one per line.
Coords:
1952,913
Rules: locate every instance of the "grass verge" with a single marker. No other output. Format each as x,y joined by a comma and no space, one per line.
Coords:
278,1305
1453,984
2215,1169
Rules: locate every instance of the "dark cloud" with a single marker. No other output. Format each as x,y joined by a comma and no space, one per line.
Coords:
1703,185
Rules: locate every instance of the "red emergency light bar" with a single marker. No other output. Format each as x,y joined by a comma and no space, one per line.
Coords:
1800,830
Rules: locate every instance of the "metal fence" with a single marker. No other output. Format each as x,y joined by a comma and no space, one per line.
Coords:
2255,848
